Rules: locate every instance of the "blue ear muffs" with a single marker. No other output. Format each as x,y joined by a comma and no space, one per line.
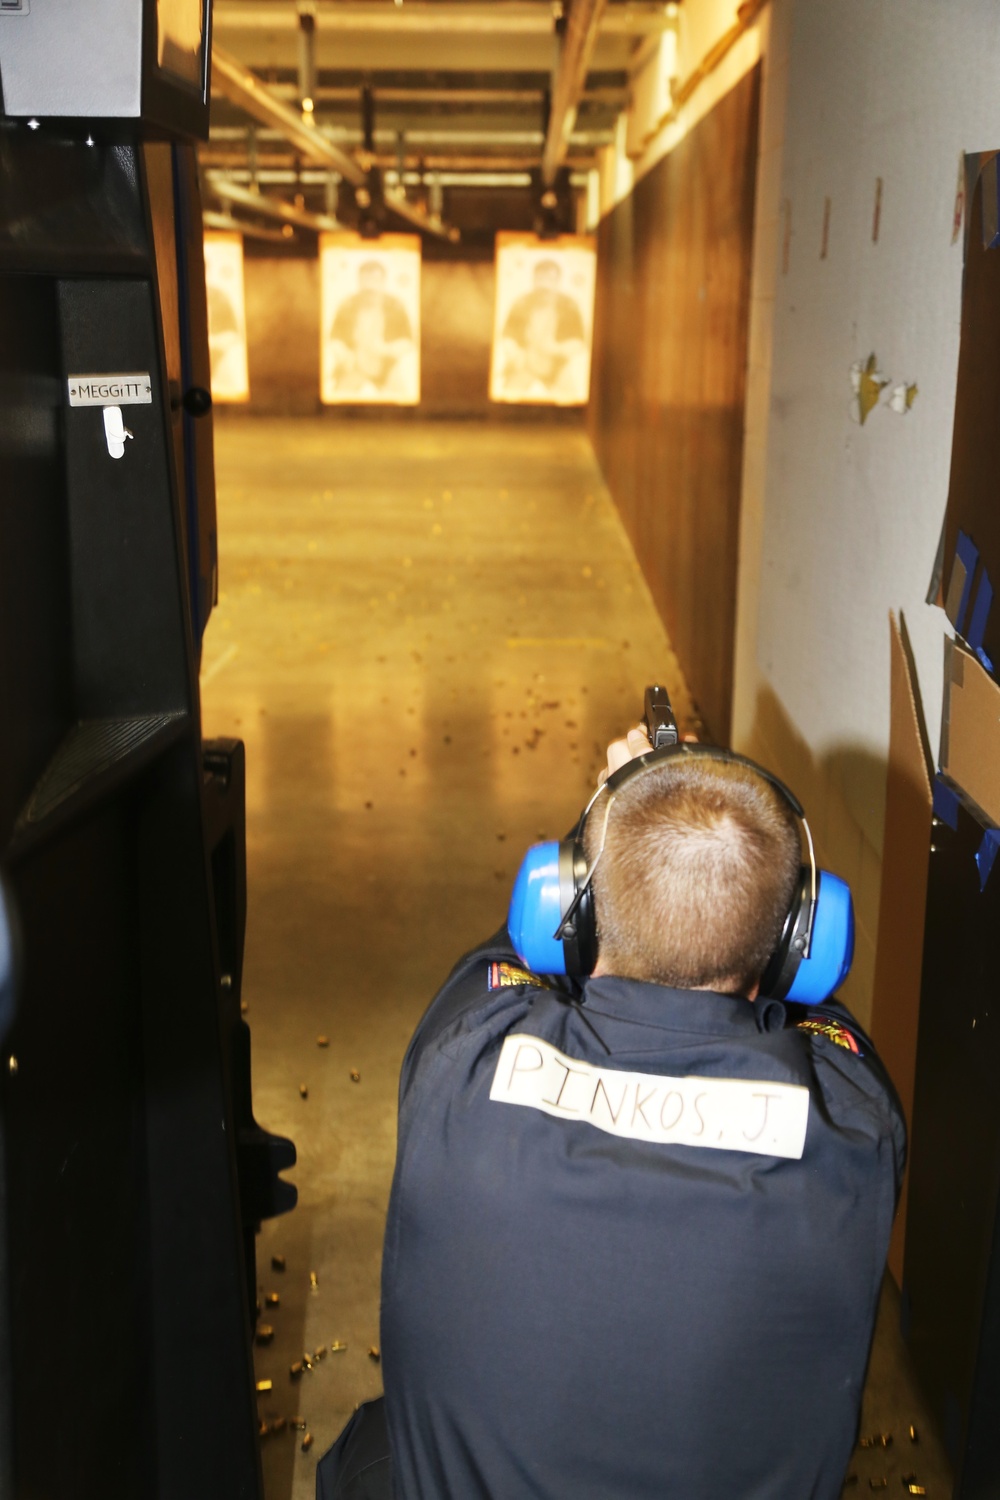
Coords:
536,912
553,926
547,886
821,972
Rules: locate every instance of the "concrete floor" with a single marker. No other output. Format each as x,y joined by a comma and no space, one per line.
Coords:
426,635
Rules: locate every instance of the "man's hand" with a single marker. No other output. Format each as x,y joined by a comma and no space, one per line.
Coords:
635,743
620,752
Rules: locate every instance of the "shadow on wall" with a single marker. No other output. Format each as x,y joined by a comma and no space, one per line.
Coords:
283,301
843,793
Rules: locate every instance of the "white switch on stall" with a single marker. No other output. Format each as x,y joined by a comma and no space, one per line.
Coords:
115,431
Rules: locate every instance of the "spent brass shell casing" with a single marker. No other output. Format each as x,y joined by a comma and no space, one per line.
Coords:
263,1386
307,1442
355,1076
878,1484
319,1352
264,1334
273,1299
295,1369
299,1423
313,1281
322,1041
337,1347
277,1262
914,1434
375,1353
915,1489
304,1090
262,1429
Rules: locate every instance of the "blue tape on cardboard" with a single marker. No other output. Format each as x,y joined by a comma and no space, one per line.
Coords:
984,659
960,584
980,612
986,854
945,803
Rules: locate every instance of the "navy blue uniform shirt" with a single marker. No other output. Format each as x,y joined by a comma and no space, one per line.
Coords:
615,1279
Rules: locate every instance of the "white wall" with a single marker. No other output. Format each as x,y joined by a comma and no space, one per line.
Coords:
840,521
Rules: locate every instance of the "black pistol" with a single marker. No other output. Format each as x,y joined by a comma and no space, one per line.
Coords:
658,717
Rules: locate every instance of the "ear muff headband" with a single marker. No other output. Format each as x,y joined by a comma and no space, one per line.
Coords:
802,938
563,872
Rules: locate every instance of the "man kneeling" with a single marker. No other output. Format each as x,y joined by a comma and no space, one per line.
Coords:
638,1225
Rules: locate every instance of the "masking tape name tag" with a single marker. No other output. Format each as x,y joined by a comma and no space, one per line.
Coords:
726,1114
110,390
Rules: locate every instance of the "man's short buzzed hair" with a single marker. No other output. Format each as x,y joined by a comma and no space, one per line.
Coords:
699,868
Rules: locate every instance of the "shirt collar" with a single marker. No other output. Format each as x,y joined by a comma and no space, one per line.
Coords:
703,1011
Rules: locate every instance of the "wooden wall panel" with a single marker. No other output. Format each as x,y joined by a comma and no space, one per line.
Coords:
670,356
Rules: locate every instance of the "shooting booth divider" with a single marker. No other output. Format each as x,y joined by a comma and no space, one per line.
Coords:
132,1172
951,1270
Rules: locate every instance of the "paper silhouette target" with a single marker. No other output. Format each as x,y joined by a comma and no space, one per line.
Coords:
544,319
227,317
370,319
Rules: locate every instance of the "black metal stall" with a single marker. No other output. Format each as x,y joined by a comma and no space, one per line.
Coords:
132,1172
951,1285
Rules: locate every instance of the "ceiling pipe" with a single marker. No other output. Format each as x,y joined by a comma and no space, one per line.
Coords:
269,207
213,220
281,167
367,100
530,139
395,198
404,93
575,51
243,88
307,62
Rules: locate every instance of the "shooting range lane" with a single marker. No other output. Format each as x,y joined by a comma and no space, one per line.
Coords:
421,636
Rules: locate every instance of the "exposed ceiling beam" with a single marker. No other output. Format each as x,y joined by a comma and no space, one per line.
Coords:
471,17
530,141
213,220
290,213
244,88
575,52
395,199
529,97
277,168
268,207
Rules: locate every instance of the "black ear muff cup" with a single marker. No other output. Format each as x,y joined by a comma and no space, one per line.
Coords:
780,973
579,932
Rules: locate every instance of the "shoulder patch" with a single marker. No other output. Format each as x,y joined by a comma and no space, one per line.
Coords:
501,976
839,1035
